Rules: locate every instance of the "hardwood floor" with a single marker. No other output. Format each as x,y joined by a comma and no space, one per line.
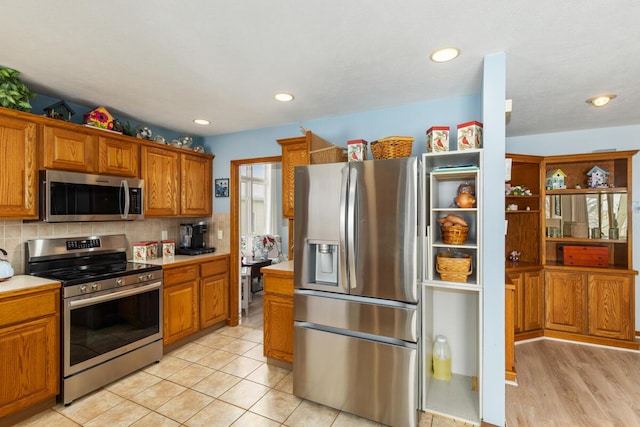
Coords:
565,384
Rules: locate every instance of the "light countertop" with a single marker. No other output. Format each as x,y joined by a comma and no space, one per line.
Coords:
283,267
20,283
183,259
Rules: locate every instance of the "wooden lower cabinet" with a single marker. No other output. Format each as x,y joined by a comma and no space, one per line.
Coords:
509,346
180,303
610,299
214,292
594,304
278,312
565,299
195,297
528,301
29,349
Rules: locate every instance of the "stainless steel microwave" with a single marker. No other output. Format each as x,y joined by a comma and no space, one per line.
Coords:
72,197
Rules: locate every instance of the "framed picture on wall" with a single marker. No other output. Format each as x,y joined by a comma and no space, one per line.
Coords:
222,187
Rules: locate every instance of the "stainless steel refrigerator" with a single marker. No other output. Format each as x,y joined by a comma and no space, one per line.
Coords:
356,322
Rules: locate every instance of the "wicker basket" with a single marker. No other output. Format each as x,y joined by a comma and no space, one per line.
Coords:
454,268
392,147
333,154
454,235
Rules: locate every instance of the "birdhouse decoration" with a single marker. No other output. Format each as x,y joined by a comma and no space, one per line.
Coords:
60,110
555,180
597,177
100,118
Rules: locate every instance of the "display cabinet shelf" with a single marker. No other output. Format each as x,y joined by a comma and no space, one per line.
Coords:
452,308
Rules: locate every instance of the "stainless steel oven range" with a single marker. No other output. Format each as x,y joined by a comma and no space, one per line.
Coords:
111,315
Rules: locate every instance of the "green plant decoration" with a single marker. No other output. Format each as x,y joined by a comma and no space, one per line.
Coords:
13,93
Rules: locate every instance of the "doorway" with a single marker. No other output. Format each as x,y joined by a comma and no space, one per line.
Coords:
235,208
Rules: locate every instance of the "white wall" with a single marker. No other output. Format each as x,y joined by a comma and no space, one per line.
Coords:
586,141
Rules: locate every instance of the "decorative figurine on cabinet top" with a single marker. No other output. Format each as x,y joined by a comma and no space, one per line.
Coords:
555,180
99,117
60,110
597,177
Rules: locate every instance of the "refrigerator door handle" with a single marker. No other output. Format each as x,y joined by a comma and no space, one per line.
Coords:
342,260
351,227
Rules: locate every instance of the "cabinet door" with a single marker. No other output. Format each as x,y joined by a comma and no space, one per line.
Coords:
533,301
294,153
509,347
565,301
18,177
195,185
118,157
180,305
160,174
214,300
29,363
610,306
69,150
278,327
518,301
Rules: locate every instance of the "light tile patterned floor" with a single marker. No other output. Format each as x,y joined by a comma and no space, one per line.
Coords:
221,379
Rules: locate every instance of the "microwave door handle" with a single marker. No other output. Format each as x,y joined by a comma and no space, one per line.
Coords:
125,185
351,226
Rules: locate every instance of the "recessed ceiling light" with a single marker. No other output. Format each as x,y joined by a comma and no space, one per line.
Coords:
284,97
601,100
202,122
445,54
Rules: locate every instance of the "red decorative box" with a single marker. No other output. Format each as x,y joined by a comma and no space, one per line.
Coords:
469,135
585,256
437,139
357,150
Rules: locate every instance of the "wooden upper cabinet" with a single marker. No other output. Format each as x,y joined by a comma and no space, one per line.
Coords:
118,157
294,153
195,185
72,150
160,174
18,173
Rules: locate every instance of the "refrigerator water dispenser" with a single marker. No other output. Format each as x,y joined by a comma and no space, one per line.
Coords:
326,263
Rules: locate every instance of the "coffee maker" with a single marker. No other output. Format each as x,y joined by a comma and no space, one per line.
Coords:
193,239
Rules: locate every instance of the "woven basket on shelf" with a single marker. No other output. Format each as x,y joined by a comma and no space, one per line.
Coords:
333,154
454,235
454,268
392,147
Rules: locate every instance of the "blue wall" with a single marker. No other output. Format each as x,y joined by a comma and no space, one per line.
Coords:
409,120
40,102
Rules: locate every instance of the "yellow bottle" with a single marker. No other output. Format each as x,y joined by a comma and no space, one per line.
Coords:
441,359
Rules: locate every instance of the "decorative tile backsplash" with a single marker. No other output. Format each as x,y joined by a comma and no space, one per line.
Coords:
13,234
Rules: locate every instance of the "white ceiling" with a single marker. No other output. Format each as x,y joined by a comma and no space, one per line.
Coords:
167,62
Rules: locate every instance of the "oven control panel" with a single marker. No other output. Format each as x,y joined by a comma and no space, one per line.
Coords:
82,244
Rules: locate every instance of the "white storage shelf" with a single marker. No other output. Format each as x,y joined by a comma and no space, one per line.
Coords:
452,309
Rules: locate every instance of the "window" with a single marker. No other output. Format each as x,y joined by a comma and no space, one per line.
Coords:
257,197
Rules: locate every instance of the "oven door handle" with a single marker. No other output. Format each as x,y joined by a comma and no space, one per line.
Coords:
114,295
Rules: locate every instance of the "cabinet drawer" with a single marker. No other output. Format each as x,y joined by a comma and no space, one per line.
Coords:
22,308
177,275
218,266
278,284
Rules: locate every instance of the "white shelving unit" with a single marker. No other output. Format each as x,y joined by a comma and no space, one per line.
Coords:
452,309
